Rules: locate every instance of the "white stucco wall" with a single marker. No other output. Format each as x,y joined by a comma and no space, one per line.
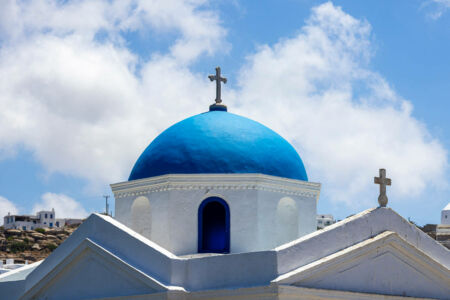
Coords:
364,257
445,215
286,220
253,200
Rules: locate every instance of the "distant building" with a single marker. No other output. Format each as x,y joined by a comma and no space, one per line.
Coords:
440,232
443,229
324,221
10,265
430,229
69,222
43,219
445,215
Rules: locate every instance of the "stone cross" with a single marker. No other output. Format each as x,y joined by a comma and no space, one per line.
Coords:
383,182
218,80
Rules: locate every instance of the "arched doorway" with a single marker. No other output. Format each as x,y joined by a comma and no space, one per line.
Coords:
213,226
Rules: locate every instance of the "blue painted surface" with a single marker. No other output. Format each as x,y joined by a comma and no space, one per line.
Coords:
214,226
219,142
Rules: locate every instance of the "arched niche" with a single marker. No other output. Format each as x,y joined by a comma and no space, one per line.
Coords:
286,220
213,226
141,216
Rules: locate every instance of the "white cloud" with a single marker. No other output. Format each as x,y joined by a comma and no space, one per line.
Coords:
195,27
79,104
65,207
87,106
436,8
198,29
6,207
317,90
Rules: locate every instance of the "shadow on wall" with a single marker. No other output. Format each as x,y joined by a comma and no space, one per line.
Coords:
141,215
287,220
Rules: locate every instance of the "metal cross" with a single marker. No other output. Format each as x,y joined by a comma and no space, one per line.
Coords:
383,182
218,80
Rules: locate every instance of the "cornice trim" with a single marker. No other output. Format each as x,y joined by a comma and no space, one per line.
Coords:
216,182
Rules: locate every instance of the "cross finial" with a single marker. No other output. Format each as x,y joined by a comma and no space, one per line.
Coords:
383,182
219,80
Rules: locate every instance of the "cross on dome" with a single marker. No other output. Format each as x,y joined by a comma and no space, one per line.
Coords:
383,182
219,80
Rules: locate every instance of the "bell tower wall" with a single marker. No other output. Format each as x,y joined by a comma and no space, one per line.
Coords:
264,211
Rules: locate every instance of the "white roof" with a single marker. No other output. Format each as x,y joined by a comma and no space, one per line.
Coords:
352,244
447,207
19,273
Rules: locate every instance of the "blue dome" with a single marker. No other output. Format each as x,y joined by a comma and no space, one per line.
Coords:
219,142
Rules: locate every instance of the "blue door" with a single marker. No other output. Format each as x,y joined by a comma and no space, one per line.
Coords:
213,226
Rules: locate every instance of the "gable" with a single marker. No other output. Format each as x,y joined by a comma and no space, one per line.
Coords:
132,247
91,271
385,264
351,231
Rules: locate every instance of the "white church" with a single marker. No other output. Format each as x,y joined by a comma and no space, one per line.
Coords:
220,207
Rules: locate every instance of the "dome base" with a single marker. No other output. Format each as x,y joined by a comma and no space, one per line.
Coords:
217,107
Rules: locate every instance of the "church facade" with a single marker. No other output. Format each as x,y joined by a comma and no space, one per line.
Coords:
220,207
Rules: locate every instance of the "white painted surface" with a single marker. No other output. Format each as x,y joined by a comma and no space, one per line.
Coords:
95,272
287,220
353,230
102,243
385,264
324,221
445,215
113,244
141,216
253,200
42,219
19,273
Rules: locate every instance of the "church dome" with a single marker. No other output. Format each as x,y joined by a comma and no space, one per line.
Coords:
219,142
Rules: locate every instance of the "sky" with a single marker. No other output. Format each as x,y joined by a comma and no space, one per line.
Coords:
354,86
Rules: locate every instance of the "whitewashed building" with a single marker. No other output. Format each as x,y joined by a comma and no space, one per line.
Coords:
42,219
9,264
324,221
445,215
220,207
443,229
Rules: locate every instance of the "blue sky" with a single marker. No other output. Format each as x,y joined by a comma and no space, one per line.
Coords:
353,85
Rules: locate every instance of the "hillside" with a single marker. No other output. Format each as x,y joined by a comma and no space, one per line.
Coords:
31,245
